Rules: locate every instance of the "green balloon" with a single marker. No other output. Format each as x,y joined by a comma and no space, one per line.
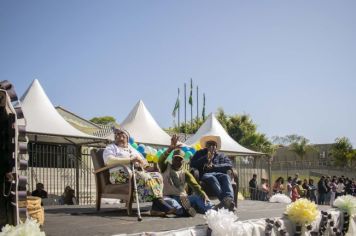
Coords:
134,145
159,153
170,157
188,154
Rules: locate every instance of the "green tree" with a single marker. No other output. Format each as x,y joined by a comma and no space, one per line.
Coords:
300,146
242,129
296,143
342,152
222,118
351,156
103,120
187,127
287,140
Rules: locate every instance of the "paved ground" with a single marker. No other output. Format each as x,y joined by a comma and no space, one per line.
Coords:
85,221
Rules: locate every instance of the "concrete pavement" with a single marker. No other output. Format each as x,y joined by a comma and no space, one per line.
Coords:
85,221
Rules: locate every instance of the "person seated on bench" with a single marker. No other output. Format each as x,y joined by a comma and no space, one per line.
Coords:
213,167
40,192
264,190
149,184
175,178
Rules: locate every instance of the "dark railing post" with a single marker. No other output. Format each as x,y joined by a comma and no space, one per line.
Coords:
287,169
78,153
270,159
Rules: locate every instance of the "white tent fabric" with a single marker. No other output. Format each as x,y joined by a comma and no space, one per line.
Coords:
45,124
212,126
143,127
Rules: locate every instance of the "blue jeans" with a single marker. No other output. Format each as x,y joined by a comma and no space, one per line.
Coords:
220,184
198,203
175,204
321,199
161,205
195,201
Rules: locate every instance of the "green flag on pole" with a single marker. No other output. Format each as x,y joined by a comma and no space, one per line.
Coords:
176,106
191,92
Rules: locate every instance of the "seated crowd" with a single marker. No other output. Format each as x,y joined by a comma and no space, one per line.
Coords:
324,192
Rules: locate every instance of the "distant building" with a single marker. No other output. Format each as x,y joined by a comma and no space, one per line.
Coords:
321,156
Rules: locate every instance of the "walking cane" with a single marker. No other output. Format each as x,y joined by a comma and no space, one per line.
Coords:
139,218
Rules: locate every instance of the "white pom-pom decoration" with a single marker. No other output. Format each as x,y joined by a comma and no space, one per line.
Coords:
282,198
223,223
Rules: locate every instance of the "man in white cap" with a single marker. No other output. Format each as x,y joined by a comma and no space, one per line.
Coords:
213,167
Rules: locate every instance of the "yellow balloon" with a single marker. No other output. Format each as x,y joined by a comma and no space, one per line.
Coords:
149,157
155,159
197,146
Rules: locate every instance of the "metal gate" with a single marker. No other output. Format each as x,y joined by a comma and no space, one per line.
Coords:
58,166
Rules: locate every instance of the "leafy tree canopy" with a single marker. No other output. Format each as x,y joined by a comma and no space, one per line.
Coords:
300,147
296,143
240,127
288,139
244,131
103,120
343,153
187,127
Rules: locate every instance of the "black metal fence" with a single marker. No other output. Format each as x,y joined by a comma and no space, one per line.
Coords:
312,168
246,167
58,166
300,165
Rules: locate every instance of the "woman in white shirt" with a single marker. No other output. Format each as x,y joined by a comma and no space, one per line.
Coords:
340,188
333,187
149,180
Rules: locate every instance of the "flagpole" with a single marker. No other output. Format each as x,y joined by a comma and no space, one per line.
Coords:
197,103
178,111
185,110
191,104
203,112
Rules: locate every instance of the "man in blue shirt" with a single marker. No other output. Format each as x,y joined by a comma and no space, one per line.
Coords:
213,166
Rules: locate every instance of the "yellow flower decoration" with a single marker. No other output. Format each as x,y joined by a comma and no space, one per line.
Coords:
302,211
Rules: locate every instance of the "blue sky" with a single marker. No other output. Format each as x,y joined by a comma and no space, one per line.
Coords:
291,65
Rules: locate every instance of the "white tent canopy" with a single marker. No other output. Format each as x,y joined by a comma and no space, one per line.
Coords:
212,126
45,124
143,127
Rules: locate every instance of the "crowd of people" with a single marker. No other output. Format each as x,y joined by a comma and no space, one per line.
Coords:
168,193
324,192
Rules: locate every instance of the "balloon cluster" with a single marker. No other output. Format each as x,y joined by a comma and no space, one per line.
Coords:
153,154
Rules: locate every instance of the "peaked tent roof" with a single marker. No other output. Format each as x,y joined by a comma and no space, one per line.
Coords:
45,124
143,127
212,126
